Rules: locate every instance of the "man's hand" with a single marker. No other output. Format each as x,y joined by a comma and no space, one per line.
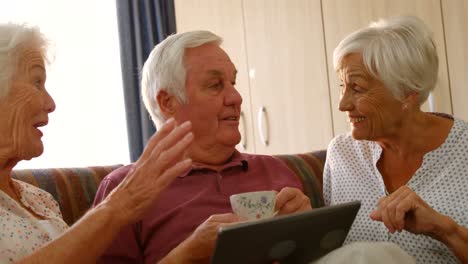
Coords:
291,200
199,246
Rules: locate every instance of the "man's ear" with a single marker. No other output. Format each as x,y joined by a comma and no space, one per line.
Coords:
167,103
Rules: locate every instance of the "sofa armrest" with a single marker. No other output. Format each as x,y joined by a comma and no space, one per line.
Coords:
308,167
73,188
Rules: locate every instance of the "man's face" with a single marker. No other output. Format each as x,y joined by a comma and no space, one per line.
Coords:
214,104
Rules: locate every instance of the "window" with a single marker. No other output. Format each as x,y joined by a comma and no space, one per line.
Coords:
88,126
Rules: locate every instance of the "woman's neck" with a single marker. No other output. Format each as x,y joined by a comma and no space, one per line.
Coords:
6,166
419,134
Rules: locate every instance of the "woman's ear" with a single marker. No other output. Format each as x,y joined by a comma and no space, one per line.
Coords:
167,103
411,100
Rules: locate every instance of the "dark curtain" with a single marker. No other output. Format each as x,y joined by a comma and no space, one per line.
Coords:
142,24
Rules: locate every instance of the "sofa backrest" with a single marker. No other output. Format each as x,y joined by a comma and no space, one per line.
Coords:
74,188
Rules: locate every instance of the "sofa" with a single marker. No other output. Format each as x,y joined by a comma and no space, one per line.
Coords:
75,188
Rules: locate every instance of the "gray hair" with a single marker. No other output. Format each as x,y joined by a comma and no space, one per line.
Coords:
14,38
165,69
398,51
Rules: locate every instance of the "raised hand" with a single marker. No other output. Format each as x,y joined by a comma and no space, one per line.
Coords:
161,162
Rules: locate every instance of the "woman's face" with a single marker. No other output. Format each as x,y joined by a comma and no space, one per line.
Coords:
25,108
373,112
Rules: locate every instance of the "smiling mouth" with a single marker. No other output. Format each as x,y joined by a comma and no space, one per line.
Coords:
356,120
231,118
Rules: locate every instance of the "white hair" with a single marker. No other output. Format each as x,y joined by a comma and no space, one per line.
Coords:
165,69
14,39
398,51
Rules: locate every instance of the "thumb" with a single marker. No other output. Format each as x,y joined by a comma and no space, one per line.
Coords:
376,215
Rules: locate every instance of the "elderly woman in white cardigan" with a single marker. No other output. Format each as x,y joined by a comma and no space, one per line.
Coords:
407,167
32,227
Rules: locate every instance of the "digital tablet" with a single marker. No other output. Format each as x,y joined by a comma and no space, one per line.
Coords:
296,238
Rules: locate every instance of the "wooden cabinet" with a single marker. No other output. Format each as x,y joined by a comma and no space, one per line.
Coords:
278,45
342,17
455,14
288,76
283,50
225,19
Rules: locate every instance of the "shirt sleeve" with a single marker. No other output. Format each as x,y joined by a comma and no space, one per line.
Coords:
126,246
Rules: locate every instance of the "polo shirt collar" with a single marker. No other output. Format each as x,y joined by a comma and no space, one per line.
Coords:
237,160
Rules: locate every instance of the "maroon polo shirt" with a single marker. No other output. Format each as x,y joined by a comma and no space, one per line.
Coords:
189,201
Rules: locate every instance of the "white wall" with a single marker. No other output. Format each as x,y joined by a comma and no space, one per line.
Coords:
88,126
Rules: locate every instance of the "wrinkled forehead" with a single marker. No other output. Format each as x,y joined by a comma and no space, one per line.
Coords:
28,59
352,64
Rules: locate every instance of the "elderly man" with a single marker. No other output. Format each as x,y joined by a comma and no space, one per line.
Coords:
189,77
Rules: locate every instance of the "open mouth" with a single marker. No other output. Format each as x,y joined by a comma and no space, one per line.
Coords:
38,125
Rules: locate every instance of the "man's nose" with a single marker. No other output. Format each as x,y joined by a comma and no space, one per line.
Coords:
233,97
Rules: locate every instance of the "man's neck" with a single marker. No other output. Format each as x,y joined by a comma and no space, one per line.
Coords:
214,156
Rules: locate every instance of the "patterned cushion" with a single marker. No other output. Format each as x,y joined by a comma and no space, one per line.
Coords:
309,168
73,188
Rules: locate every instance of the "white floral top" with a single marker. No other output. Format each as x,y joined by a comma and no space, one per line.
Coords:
21,233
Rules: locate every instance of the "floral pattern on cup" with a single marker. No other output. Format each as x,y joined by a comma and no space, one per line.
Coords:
254,205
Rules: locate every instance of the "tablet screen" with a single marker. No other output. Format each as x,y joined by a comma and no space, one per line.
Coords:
296,238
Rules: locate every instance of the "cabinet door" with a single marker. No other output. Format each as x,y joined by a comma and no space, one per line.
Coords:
225,19
456,25
342,17
288,75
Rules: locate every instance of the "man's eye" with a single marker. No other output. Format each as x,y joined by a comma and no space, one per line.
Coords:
216,85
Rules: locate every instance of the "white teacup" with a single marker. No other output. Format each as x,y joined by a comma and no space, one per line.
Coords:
254,205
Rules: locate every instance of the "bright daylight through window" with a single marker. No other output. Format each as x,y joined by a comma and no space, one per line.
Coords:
88,126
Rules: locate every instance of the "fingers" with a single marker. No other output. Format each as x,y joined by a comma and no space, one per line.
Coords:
164,139
165,148
290,200
392,209
170,174
224,218
155,138
172,153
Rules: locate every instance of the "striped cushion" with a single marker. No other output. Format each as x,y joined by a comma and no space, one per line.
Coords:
73,188
309,168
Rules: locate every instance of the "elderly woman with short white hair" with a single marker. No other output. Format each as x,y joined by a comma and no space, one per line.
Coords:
409,168
32,229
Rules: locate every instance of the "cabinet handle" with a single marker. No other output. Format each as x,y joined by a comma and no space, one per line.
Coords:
244,131
264,137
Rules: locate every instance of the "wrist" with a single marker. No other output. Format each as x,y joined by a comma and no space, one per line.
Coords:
446,230
115,211
177,255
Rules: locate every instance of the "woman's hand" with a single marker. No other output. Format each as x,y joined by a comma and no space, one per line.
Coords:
405,210
291,200
161,162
